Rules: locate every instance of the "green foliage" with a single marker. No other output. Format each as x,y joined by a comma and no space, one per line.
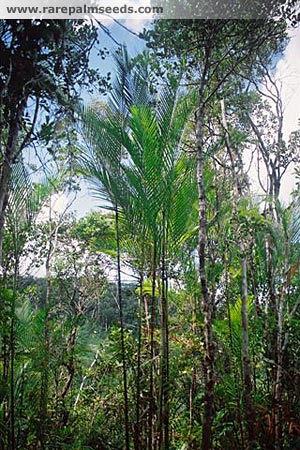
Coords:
97,231
63,343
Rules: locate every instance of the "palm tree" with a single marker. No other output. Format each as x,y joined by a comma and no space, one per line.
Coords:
25,201
134,156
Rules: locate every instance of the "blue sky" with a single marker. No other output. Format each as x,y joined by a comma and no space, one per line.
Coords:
85,201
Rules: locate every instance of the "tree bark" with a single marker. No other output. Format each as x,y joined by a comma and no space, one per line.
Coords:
207,302
249,410
151,430
164,383
137,438
237,186
123,349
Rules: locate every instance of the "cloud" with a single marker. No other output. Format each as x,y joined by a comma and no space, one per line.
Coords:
54,208
136,25
288,73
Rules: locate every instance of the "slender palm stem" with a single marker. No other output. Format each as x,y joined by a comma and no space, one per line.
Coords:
164,386
124,362
151,437
138,376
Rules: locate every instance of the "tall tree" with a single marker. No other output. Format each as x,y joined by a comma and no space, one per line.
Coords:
277,154
154,189
24,203
213,51
44,63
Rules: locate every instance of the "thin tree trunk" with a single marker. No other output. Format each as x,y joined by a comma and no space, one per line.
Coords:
5,307
207,304
250,414
45,375
164,383
249,410
280,346
83,380
278,381
151,437
193,445
146,315
137,440
12,346
46,306
12,373
70,366
123,349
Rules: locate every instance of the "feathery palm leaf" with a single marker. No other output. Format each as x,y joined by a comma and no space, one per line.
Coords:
26,198
134,153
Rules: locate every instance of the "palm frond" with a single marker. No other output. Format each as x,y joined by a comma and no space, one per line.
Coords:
134,155
26,198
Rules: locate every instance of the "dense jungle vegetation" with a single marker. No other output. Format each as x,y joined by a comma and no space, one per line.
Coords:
196,346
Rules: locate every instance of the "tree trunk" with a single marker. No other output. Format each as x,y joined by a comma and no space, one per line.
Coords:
12,346
151,417
137,439
164,382
45,375
207,303
123,349
5,350
277,394
237,185
280,346
249,410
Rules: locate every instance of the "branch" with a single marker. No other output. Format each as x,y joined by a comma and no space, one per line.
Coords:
124,27
31,130
106,31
